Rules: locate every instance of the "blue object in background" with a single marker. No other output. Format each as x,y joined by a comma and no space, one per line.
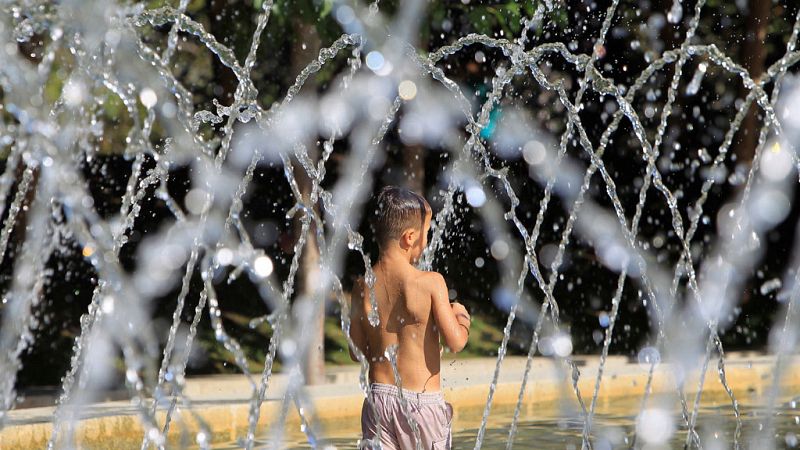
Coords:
491,126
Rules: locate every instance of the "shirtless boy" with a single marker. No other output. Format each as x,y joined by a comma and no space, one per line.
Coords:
414,312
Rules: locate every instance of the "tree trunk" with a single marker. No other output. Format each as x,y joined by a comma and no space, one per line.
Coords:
754,57
314,369
304,50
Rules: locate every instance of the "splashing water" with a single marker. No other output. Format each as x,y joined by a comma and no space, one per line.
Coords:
386,81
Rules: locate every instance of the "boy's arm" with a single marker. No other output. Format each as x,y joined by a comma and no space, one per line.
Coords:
455,334
356,315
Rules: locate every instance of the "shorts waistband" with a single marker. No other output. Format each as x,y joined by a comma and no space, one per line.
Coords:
417,397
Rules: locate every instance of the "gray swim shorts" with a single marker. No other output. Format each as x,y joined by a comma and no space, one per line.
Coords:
432,415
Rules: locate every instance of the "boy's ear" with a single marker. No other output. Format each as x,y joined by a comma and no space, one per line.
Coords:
408,238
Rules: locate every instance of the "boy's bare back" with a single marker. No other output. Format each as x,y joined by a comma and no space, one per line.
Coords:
413,308
407,301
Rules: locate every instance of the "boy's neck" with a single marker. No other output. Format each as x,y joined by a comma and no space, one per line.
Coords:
394,256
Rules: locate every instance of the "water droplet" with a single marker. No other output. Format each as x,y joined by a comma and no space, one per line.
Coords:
499,249
655,426
676,12
24,31
148,98
263,266
770,286
476,198
407,90
375,60
224,256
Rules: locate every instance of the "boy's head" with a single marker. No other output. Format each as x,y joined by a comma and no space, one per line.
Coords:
402,217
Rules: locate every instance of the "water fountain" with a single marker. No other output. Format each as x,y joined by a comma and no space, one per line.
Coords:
686,301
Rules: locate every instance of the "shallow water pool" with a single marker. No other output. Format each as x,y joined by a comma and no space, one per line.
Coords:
558,427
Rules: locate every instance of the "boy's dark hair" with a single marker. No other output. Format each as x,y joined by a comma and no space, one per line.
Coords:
397,209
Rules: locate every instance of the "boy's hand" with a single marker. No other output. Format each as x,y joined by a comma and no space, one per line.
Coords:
462,316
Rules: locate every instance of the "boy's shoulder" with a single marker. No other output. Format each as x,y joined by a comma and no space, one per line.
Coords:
430,279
